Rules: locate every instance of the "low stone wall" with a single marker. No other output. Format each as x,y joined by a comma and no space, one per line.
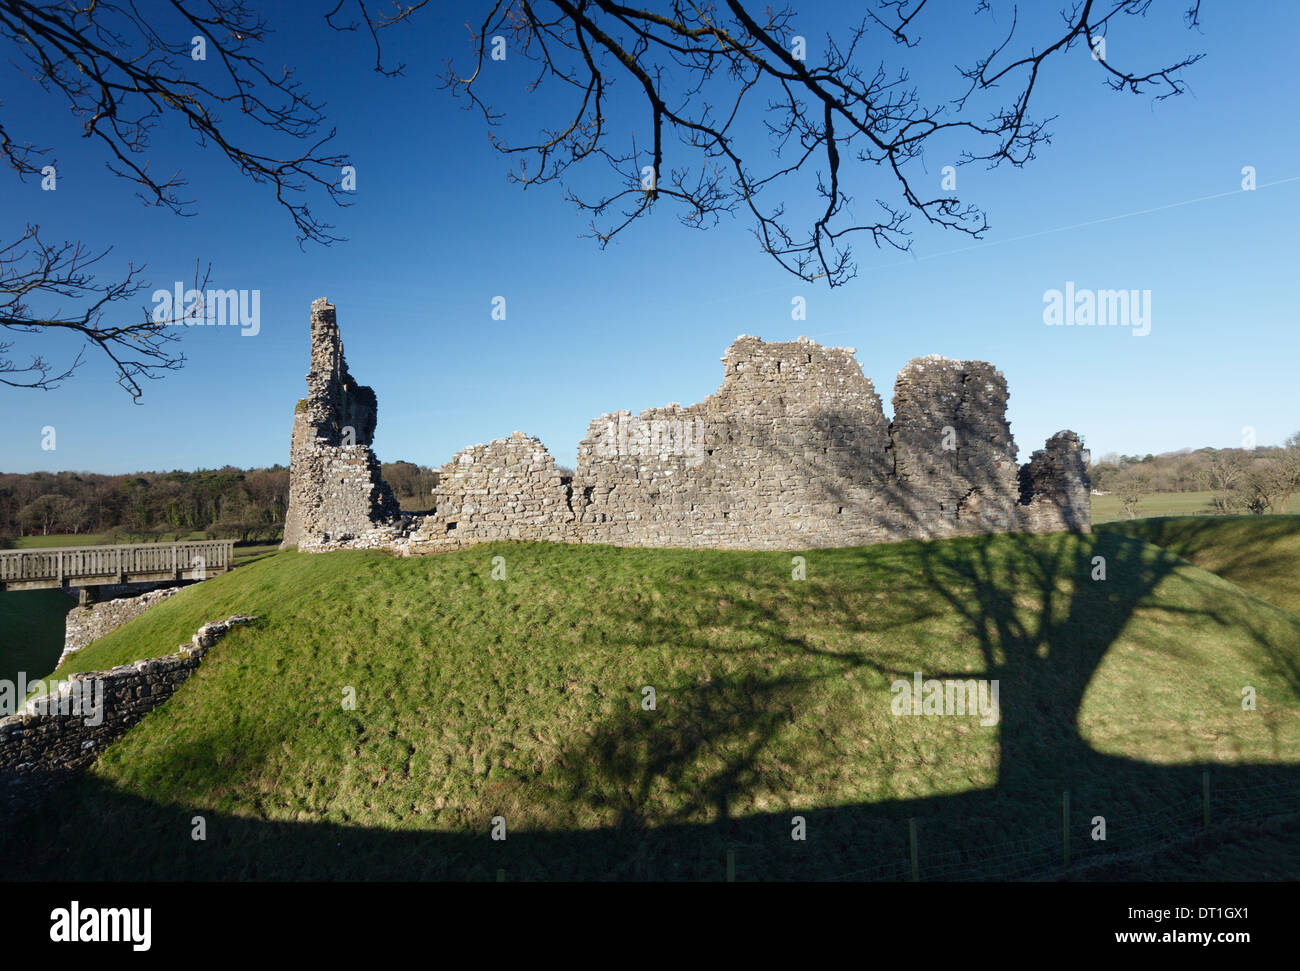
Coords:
55,735
100,592
85,624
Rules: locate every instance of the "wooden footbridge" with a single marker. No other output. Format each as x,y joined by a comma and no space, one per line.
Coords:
89,566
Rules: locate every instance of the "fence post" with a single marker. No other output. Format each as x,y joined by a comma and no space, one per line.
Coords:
911,839
731,866
1065,826
1205,797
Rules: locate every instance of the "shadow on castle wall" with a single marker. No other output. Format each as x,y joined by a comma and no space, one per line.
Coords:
792,451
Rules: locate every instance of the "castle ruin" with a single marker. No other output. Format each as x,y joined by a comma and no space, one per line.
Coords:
336,492
793,451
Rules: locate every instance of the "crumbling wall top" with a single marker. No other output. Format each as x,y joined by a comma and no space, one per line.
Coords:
793,450
335,401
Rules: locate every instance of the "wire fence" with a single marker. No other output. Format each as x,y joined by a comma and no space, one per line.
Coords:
1053,853
1045,855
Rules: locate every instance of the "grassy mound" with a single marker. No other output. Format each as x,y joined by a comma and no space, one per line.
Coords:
1258,553
524,697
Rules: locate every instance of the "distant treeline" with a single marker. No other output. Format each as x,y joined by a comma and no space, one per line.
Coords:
412,484
1254,480
227,503
250,504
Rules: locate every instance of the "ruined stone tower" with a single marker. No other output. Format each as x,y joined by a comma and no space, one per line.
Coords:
337,496
793,451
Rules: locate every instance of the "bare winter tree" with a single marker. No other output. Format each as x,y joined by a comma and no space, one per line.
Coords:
1225,473
121,72
1133,485
1288,474
1271,481
31,268
708,80
708,76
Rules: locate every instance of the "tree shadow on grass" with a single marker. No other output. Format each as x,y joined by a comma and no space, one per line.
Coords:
713,769
1256,552
1042,625
695,779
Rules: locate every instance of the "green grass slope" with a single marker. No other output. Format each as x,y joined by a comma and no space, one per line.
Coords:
1258,553
523,698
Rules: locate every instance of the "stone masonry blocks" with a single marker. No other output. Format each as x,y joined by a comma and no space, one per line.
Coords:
793,451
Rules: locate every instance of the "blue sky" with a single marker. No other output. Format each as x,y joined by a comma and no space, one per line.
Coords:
436,232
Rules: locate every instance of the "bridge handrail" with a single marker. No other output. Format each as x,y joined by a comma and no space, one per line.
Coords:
68,562
119,546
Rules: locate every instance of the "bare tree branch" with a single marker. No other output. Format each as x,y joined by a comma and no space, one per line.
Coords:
32,270
699,68
122,73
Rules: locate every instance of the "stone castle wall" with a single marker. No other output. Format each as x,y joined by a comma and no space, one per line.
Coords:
337,496
1054,486
954,456
792,452
508,489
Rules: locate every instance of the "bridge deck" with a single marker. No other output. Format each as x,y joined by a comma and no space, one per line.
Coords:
84,566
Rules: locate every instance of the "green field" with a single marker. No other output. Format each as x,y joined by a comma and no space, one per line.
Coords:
57,539
522,698
1108,508
31,631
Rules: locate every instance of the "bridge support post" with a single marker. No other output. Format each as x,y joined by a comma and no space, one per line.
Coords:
87,596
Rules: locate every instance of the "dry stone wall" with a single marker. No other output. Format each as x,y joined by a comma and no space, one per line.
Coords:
792,452
85,624
55,735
